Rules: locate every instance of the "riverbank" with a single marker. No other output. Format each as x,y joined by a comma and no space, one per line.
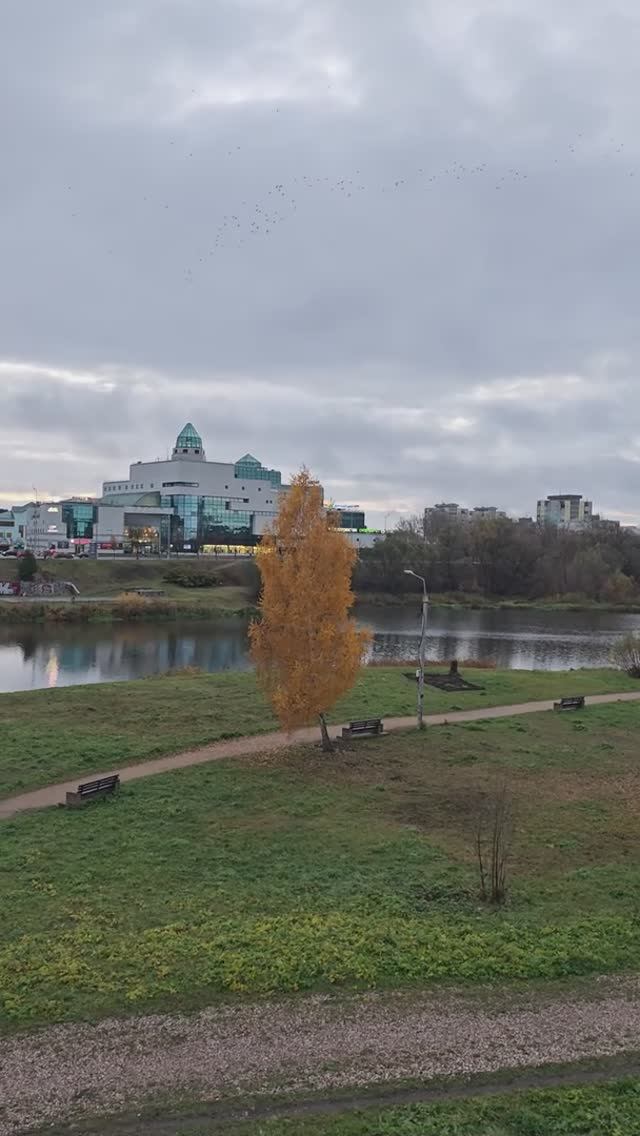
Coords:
51,735
234,593
493,603
236,602
222,602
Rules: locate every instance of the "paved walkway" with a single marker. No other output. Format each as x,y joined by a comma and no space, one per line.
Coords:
269,743
313,1045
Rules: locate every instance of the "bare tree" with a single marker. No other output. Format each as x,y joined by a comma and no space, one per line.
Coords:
493,844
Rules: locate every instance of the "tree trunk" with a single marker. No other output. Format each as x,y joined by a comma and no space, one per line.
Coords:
327,744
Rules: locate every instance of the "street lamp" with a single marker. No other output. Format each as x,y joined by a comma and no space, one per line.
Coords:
423,635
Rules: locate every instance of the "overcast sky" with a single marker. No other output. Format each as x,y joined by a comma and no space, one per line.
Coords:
397,242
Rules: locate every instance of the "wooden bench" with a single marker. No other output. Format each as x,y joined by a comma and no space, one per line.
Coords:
93,790
150,592
575,703
366,728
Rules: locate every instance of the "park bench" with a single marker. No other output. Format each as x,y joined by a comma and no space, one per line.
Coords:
575,703
366,728
93,790
150,592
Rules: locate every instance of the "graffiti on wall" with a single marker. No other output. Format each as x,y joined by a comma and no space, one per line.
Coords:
45,588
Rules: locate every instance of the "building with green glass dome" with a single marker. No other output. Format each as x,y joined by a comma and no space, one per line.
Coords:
193,503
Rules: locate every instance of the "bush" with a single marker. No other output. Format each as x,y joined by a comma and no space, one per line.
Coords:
191,575
626,655
129,605
27,566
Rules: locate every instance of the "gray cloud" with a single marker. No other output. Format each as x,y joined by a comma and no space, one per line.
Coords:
438,301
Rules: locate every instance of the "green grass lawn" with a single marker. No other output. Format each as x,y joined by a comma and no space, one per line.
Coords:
296,871
111,577
594,1110
51,735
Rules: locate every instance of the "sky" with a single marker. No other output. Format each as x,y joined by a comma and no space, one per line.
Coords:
397,243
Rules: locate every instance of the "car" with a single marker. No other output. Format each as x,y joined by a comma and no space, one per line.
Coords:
10,552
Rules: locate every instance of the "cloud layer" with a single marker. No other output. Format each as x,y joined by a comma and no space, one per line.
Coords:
397,243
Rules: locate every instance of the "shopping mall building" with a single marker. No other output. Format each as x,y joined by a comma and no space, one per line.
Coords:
183,504
190,503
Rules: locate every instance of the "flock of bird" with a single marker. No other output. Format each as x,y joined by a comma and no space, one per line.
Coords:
254,220
261,218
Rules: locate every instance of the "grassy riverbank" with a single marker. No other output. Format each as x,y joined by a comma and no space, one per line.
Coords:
105,580
103,586
221,603
51,735
295,872
476,602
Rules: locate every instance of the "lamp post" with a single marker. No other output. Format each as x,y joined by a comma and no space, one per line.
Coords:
423,635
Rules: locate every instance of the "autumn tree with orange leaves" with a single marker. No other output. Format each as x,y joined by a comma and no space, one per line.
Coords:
306,648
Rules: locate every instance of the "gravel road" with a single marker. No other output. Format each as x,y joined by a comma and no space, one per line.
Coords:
313,1045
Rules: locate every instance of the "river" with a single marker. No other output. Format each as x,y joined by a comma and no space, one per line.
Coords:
49,655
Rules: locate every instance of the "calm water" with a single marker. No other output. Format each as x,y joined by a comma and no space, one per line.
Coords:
63,656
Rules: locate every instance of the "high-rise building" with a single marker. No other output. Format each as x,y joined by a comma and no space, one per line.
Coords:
451,511
565,510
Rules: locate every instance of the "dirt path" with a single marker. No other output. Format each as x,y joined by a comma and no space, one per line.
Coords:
267,743
319,1045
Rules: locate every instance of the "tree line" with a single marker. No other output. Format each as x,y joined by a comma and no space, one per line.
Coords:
502,559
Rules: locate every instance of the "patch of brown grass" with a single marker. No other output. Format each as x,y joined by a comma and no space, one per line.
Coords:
575,802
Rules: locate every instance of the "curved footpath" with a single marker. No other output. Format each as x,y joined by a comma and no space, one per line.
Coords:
240,1056
268,743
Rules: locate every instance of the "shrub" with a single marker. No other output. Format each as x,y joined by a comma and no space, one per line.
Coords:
493,842
191,576
626,655
129,605
27,566
619,589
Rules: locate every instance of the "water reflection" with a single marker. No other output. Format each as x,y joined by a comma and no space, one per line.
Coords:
64,656
55,655
510,638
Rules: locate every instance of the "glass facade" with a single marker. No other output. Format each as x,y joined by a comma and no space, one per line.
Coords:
79,517
251,469
352,520
189,439
205,520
